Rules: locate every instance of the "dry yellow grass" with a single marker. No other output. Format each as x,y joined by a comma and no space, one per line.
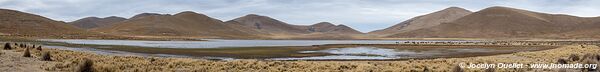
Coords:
65,60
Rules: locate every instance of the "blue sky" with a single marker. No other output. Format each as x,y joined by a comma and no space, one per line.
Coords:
363,15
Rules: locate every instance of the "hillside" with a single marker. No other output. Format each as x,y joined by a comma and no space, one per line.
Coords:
93,22
268,24
189,24
16,23
274,29
424,21
504,22
329,28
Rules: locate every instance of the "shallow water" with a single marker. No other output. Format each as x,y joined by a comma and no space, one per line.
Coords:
217,43
374,53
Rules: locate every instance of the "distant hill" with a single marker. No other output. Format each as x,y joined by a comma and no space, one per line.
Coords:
326,27
93,22
273,28
504,22
25,24
425,21
268,24
186,23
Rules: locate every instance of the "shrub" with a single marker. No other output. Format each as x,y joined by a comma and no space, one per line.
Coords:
26,53
46,56
85,66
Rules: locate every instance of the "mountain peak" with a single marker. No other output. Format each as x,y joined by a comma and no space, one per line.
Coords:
342,25
455,9
114,17
499,8
87,18
323,24
146,14
253,15
186,13
345,29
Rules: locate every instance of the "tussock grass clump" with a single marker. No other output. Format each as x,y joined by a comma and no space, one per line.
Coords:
590,61
573,57
425,69
590,56
457,69
490,70
7,46
562,61
39,48
21,45
26,53
85,66
46,56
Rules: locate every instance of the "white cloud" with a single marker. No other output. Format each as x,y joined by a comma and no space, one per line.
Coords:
364,15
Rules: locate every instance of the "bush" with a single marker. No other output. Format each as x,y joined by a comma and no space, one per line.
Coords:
26,53
85,66
46,56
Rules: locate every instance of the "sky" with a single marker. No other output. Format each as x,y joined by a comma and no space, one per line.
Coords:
363,15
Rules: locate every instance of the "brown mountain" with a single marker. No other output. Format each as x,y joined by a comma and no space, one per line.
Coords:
425,21
326,27
182,24
321,27
268,24
271,28
93,22
343,29
20,23
503,22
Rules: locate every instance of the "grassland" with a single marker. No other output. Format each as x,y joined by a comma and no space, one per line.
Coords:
65,60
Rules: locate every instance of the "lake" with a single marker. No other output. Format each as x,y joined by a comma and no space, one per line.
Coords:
218,43
291,49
